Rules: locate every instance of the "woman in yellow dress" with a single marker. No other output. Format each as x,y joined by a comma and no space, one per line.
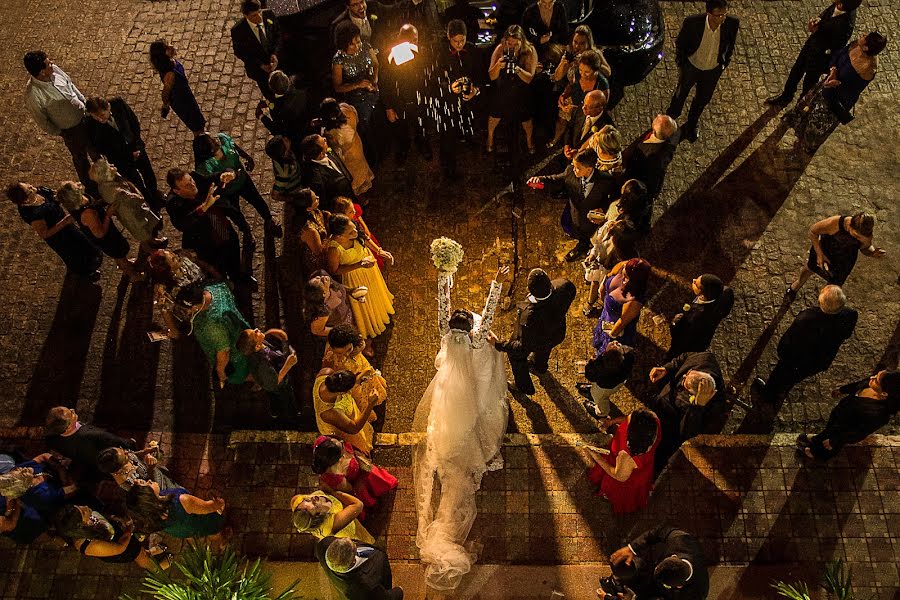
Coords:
345,351
322,514
337,411
349,257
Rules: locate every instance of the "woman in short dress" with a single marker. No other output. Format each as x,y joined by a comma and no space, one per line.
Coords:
836,244
624,295
339,468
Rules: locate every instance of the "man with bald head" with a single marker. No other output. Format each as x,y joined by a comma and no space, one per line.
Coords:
810,344
647,158
357,571
586,122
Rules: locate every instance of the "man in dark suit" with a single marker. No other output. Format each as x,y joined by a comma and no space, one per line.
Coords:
288,114
703,50
647,158
828,33
663,563
586,189
691,382
115,132
378,22
402,88
810,344
541,326
360,13
693,328
324,172
255,39
80,442
586,122
357,571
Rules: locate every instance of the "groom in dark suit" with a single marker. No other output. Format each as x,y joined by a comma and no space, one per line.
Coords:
541,326
255,39
828,33
647,159
324,172
357,572
693,328
703,50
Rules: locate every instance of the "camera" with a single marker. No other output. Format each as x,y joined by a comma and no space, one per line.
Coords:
612,586
509,63
568,56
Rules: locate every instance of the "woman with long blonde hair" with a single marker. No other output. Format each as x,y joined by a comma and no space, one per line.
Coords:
513,65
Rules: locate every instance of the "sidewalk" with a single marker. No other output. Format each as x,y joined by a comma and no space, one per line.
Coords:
747,498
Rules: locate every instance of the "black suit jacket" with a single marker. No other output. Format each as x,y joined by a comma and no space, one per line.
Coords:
814,338
661,542
649,162
599,196
832,34
572,136
117,143
289,116
691,34
678,417
371,580
326,182
543,325
248,48
85,445
695,330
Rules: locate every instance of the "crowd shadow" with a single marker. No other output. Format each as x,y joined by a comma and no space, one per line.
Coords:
128,371
60,365
891,355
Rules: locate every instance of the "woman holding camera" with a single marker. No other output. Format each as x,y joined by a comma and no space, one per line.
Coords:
589,75
513,64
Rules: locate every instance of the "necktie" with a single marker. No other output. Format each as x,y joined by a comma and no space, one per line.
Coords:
587,127
584,184
263,40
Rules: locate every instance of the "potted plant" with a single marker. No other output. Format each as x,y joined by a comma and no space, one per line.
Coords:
200,573
837,583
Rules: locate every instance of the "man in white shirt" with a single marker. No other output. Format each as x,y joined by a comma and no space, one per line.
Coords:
703,50
57,106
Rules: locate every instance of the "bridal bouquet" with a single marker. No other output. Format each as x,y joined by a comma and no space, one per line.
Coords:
446,254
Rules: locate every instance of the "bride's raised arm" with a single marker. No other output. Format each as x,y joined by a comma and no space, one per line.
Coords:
490,307
443,302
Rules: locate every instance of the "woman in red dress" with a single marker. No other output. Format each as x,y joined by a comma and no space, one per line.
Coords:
339,468
625,475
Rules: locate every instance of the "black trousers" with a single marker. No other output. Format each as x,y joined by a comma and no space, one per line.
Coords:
281,400
248,192
140,172
807,67
689,77
78,143
785,376
407,127
519,361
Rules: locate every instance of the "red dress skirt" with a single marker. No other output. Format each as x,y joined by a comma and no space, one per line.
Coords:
632,494
368,484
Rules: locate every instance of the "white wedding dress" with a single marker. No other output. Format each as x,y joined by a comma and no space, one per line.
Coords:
463,413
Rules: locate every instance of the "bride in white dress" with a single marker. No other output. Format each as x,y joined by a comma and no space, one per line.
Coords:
464,414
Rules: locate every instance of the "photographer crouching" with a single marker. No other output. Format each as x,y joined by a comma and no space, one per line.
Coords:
662,563
513,65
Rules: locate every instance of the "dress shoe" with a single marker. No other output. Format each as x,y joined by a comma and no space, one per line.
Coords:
758,390
592,409
512,388
691,134
790,294
274,229
575,253
159,243
779,100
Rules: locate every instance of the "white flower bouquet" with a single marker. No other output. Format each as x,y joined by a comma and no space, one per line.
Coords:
446,254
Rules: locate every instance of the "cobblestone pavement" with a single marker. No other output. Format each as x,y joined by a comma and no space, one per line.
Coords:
748,499
737,203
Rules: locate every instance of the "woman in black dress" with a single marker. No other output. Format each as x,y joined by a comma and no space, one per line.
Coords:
512,96
545,22
38,208
866,407
96,221
836,243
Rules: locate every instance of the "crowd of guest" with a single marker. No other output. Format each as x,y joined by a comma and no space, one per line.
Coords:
405,73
